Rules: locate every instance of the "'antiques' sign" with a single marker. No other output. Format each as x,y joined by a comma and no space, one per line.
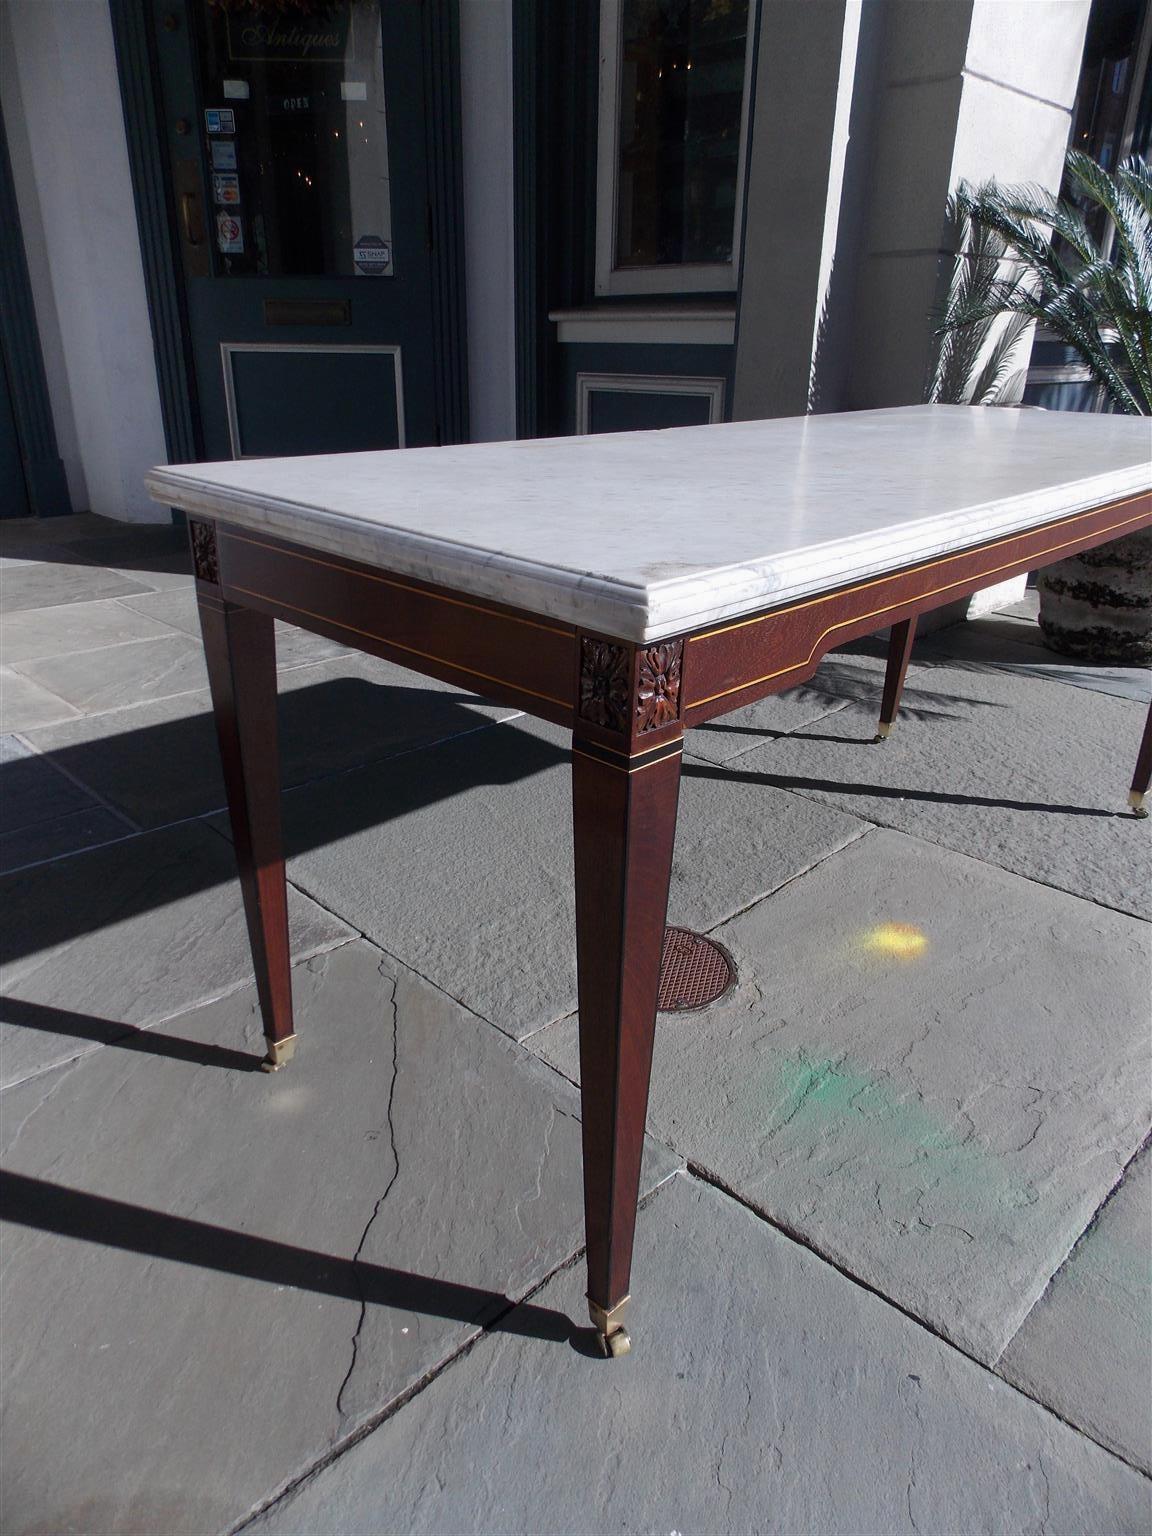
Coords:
262,34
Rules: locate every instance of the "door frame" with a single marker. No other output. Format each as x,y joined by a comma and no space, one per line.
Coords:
22,359
159,248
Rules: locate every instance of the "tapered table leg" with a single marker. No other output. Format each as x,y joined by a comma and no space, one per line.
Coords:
1143,775
625,826
240,650
899,650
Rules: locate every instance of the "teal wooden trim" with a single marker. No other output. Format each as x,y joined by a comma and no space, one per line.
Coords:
528,28
140,98
23,362
441,49
555,61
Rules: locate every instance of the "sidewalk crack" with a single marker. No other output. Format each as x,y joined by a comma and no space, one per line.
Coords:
376,1209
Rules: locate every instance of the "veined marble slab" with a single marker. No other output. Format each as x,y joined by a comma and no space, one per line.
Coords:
643,534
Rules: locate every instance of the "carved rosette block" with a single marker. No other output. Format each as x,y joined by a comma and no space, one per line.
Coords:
630,691
658,686
605,684
205,561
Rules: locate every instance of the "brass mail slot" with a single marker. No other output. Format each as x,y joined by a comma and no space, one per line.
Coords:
307,312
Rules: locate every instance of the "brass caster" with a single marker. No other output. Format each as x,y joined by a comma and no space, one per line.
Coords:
280,1053
615,1344
611,1333
1136,801
883,731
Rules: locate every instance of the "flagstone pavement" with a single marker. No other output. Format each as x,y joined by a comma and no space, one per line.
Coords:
893,1258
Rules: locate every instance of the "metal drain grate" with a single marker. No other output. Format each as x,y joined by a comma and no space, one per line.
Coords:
694,971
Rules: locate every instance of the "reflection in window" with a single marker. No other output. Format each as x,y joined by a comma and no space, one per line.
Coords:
681,94
295,137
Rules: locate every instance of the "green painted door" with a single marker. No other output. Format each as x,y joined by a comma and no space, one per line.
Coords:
299,155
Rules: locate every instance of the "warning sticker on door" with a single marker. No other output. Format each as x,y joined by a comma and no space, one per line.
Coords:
372,255
229,234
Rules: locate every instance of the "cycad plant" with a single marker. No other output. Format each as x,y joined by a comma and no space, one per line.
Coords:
1026,256
975,364
1030,256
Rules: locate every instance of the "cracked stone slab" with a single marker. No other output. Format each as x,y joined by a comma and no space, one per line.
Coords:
930,1069
1086,1346
125,935
1018,772
764,1392
195,1222
159,762
459,862
41,632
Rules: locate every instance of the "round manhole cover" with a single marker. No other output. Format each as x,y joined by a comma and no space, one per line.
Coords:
694,971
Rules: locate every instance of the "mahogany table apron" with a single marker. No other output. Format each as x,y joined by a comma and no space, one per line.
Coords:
627,705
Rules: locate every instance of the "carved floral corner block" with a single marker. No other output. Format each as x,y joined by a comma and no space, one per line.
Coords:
205,561
605,684
658,686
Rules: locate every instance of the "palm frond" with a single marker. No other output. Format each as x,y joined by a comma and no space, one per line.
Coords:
1026,255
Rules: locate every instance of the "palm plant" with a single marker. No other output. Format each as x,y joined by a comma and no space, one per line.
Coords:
1033,257
975,364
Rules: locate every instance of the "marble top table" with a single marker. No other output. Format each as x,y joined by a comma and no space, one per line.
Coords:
625,586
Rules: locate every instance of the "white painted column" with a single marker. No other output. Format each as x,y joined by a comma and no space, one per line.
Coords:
62,110
969,90
489,214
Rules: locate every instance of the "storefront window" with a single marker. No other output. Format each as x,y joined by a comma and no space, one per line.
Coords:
673,92
681,95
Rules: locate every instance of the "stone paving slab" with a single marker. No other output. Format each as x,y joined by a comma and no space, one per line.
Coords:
1019,772
1019,648
40,632
764,1393
24,704
459,862
31,789
43,814
125,935
159,762
240,1267
931,1069
50,584
178,609
1086,1346
121,676
125,676
58,837
719,741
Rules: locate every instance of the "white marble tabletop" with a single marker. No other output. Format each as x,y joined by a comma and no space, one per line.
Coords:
643,534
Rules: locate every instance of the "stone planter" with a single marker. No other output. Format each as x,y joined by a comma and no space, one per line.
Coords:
1098,605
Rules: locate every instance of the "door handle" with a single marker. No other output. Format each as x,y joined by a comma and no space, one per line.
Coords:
193,222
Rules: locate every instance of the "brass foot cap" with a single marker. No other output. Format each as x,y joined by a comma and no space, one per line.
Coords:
884,730
1136,801
615,1344
608,1323
280,1053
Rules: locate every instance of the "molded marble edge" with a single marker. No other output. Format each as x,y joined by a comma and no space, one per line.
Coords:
627,610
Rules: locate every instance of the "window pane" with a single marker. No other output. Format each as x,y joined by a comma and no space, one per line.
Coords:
296,138
681,91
